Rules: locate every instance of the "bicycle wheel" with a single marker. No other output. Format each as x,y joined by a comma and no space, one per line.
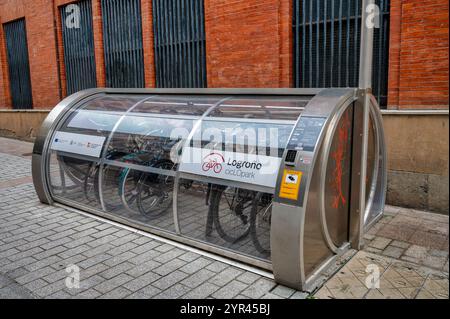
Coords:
75,169
230,209
90,184
128,187
155,191
260,220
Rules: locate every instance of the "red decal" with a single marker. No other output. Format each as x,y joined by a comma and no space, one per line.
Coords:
339,157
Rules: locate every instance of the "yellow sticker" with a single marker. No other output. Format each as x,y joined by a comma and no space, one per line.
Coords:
290,184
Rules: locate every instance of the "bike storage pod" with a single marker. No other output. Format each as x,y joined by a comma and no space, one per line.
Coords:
282,179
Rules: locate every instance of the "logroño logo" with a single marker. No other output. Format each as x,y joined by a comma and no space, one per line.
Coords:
213,162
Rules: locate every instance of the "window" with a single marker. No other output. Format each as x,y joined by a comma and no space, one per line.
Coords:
327,41
122,41
18,64
78,43
180,53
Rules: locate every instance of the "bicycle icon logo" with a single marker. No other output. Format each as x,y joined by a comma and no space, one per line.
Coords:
213,162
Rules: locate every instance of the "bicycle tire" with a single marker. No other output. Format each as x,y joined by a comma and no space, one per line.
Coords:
214,210
123,193
151,182
254,225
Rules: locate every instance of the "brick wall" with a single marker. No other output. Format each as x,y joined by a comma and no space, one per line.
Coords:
41,49
248,44
419,54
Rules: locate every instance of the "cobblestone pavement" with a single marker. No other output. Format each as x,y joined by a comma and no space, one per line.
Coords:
410,251
38,243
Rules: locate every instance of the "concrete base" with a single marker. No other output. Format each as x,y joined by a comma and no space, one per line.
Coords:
419,191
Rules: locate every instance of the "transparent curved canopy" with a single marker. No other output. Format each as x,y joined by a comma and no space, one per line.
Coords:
251,125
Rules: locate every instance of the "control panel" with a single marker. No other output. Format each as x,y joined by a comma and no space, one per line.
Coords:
297,160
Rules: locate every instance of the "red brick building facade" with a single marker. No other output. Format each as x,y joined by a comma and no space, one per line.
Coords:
248,44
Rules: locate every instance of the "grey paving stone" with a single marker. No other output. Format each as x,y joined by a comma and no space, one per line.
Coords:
401,244
170,266
174,292
136,284
197,278
128,247
118,293
149,291
89,262
87,283
143,257
435,262
50,289
87,294
36,284
201,292
164,248
195,265
31,276
394,252
259,288
189,256
60,295
138,295
271,296
54,243
169,280
118,259
283,291
57,275
417,252
115,282
299,295
225,276
98,250
49,252
27,253
18,264
69,252
230,290
14,291
148,246
116,270
169,255
142,240
94,270
217,266
143,268
380,243
248,277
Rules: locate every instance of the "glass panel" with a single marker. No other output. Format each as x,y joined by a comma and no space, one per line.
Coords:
178,105
248,137
73,179
99,115
143,197
229,217
281,108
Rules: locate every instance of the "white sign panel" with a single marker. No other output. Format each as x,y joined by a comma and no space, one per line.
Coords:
246,168
78,144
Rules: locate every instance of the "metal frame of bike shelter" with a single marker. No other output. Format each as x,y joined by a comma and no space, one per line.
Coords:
307,229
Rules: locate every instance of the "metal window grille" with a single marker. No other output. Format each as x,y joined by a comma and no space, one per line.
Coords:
78,42
18,64
180,52
122,41
327,41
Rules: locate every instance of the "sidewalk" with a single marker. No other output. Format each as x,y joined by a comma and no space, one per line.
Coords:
38,242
